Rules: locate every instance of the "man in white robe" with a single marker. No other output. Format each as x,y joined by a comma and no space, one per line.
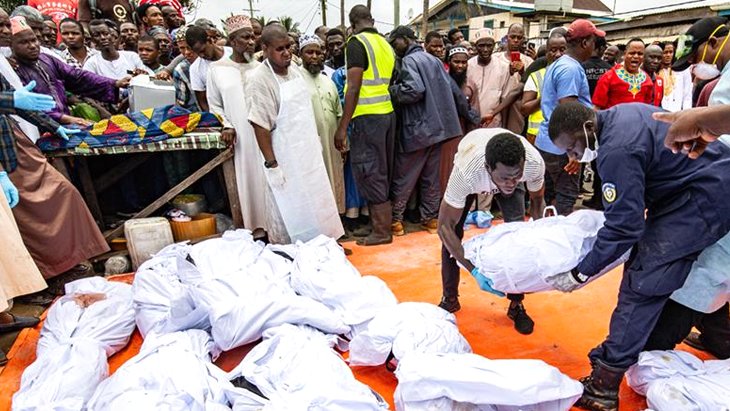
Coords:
227,98
327,112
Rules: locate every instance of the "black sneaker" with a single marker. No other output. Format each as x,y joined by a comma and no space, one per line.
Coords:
450,304
523,322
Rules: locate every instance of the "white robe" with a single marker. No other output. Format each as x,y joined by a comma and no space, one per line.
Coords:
226,97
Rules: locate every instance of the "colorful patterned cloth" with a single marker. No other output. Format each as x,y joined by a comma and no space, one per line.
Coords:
140,127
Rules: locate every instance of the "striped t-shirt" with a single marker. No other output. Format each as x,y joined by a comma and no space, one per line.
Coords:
470,172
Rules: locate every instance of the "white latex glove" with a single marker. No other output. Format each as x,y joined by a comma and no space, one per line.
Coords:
566,282
276,177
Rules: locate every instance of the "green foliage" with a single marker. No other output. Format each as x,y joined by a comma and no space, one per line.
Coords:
289,24
9,5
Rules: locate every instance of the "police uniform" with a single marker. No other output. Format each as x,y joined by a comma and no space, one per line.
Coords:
686,211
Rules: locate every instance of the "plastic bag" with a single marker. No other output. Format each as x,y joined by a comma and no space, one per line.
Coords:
95,319
554,244
433,381
406,328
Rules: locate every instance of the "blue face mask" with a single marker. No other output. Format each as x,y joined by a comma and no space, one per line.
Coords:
589,154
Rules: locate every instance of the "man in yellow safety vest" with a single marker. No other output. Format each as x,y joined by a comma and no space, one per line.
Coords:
556,45
368,112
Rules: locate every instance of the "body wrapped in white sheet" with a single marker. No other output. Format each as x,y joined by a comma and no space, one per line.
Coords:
296,368
171,372
518,256
95,319
679,381
322,272
469,382
405,328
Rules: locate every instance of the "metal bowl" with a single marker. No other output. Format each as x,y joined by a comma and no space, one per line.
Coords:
190,204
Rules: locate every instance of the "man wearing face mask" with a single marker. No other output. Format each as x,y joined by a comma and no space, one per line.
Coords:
705,45
668,207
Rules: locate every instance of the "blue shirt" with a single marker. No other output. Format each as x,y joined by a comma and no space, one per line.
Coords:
564,78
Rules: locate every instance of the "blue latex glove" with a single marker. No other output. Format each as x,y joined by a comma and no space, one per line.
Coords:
24,99
11,193
485,283
64,132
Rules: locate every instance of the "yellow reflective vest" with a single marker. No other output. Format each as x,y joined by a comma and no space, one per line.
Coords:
536,118
374,95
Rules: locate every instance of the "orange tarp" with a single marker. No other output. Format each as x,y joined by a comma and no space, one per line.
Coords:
567,326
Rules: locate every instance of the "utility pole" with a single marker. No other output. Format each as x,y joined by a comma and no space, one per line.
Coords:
323,7
424,21
370,4
396,13
250,8
342,14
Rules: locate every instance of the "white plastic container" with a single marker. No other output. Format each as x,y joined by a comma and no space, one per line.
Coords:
147,93
145,237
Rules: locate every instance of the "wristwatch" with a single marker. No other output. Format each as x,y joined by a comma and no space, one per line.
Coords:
270,164
578,276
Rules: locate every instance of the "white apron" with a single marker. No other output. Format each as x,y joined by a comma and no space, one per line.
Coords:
305,201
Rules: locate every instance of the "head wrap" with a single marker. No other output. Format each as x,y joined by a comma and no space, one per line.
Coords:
31,15
205,24
153,31
239,22
458,49
308,39
483,33
180,33
18,24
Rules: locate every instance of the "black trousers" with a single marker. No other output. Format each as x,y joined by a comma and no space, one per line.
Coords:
372,148
560,186
676,322
513,209
417,167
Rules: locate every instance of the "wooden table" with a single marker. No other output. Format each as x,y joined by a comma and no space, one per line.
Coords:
201,139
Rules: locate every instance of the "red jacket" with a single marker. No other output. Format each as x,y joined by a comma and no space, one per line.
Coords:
614,87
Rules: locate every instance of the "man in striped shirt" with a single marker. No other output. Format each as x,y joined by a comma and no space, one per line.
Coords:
490,161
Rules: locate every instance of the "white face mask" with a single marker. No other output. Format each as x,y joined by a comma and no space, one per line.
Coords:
708,71
589,154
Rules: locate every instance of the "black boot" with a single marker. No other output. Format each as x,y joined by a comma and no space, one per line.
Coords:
600,391
380,218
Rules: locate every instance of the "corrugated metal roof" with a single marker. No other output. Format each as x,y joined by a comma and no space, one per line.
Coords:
686,5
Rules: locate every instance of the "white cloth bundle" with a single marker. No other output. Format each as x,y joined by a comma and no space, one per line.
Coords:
431,381
296,368
322,272
679,381
162,301
171,372
407,328
95,319
554,245
244,288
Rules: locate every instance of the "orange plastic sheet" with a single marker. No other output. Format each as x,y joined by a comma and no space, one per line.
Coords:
567,326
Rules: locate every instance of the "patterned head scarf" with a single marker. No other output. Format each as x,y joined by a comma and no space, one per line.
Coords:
180,33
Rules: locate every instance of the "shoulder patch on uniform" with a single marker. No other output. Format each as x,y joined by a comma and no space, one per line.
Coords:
609,192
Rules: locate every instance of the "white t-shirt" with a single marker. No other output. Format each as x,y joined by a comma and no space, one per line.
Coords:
530,85
117,69
199,71
470,176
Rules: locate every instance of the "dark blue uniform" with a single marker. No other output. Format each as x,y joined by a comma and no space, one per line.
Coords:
688,209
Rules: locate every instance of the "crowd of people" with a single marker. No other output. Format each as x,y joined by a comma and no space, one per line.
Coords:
349,131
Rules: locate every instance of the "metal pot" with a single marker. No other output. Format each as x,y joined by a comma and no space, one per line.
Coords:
190,204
